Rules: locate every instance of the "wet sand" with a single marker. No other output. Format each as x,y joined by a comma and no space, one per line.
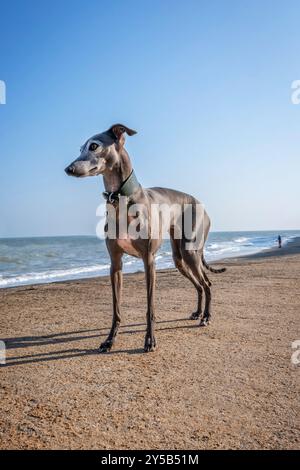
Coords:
230,385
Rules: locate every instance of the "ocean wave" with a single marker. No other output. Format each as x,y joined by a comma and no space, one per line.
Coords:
48,276
222,249
241,239
59,259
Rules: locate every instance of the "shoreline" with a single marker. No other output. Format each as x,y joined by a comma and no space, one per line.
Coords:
290,248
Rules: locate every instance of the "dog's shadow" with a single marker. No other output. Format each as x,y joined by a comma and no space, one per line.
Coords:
78,335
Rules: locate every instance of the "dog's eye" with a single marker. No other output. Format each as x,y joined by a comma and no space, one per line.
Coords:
93,147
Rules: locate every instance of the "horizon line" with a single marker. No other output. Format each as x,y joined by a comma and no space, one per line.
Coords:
94,235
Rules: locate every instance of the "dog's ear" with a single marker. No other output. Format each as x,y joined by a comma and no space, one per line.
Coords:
117,130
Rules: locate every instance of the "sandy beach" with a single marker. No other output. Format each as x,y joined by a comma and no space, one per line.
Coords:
230,385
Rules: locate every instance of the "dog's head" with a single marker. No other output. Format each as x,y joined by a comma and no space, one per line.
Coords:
100,152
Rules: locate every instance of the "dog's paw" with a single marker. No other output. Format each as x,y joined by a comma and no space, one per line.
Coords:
204,322
194,316
150,344
105,347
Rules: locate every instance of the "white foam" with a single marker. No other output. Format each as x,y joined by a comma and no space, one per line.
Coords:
48,276
216,249
241,240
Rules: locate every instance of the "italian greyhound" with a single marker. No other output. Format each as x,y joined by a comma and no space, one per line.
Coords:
104,154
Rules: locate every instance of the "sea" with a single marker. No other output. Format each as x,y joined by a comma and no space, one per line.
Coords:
36,260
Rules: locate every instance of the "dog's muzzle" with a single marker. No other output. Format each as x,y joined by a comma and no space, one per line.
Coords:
70,170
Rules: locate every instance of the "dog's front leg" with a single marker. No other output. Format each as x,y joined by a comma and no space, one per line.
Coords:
150,342
116,283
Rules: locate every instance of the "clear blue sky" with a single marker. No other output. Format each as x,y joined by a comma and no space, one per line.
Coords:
207,86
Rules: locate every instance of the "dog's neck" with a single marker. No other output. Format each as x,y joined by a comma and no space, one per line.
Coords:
114,178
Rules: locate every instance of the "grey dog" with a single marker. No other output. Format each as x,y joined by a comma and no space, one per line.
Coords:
104,154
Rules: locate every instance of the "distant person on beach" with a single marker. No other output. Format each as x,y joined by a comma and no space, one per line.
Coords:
279,241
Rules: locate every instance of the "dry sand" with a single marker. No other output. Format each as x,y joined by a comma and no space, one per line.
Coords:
230,385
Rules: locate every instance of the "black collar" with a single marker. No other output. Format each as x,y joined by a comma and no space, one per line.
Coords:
127,188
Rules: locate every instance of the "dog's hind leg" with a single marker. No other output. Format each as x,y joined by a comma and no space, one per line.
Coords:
205,277
192,259
183,268
206,315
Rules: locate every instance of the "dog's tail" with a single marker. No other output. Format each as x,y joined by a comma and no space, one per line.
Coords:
213,270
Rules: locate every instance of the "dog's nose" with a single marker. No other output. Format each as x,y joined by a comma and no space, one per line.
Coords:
70,169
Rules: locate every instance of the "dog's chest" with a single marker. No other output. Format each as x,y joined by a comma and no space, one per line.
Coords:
126,236
126,244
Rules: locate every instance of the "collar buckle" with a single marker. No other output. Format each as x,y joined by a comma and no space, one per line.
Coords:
127,188
111,197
